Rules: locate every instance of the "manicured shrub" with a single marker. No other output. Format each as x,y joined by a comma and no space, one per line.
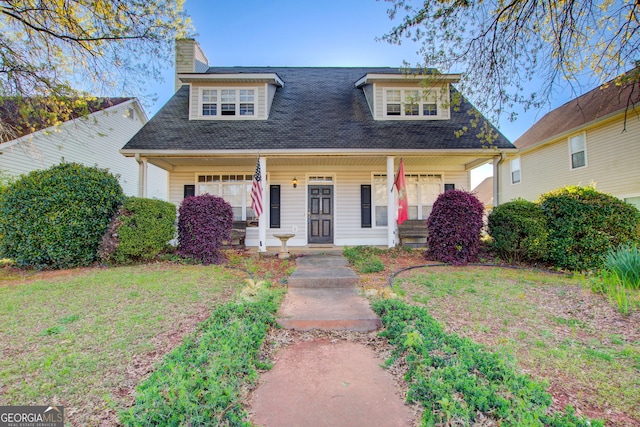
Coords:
56,217
519,231
144,228
454,228
584,224
204,223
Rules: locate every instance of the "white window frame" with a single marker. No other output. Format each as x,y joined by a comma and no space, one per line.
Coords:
217,183
428,97
421,204
512,168
583,136
240,103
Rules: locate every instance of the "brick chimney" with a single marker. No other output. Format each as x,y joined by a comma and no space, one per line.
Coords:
189,59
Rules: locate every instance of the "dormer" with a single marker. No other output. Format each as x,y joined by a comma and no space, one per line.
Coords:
231,96
403,96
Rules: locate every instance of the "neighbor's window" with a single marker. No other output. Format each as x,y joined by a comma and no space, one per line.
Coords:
234,189
515,171
578,149
227,102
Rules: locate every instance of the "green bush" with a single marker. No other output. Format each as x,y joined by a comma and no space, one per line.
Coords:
519,231
145,227
584,224
56,217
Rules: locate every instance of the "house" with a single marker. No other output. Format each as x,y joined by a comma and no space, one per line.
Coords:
593,139
93,139
329,140
484,193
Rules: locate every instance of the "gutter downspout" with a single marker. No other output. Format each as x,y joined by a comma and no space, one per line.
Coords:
142,175
497,161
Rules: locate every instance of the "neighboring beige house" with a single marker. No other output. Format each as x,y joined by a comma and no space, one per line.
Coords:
591,140
330,142
484,193
91,140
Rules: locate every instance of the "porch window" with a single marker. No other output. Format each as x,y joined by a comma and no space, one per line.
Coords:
235,189
578,150
227,102
381,198
422,192
515,171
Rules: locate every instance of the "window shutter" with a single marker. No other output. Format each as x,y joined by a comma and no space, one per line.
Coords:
365,206
189,191
274,206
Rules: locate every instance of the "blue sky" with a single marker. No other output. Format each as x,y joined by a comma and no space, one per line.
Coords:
307,33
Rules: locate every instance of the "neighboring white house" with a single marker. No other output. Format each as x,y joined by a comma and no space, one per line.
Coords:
591,140
330,141
91,140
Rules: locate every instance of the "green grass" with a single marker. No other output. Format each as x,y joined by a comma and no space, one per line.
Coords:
552,325
78,340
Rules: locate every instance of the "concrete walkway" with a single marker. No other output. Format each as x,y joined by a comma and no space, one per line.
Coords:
323,295
326,382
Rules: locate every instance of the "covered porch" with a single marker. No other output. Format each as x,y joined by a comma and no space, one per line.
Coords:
326,200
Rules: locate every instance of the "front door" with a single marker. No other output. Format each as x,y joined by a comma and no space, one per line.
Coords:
320,214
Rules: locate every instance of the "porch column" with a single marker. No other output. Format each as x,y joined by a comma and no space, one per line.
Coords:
262,220
391,204
142,176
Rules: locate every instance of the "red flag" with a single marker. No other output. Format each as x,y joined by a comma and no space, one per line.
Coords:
256,191
401,185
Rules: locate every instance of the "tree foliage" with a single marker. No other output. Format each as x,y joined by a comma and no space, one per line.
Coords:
501,45
54,51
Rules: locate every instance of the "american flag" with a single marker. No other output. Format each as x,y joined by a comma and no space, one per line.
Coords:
256,191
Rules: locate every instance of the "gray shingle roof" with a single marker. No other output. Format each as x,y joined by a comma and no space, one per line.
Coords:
318,108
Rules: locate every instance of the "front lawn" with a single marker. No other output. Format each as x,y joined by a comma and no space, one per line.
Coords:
554,327
85,339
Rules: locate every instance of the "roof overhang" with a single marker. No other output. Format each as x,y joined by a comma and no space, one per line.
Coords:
271,78
407,77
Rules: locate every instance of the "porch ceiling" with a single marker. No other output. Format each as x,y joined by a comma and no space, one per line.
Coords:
469,161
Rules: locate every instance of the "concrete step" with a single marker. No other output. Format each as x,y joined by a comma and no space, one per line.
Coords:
327,309
323,277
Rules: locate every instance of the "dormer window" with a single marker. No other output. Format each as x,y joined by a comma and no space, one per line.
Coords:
410,103
227,102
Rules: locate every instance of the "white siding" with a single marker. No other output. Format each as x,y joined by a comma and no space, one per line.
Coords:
613,164
95,140
293,218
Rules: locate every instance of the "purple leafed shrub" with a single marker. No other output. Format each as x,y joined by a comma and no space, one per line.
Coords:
454,228
204,222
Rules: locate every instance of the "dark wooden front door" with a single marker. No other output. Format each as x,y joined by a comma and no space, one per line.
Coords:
320,214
